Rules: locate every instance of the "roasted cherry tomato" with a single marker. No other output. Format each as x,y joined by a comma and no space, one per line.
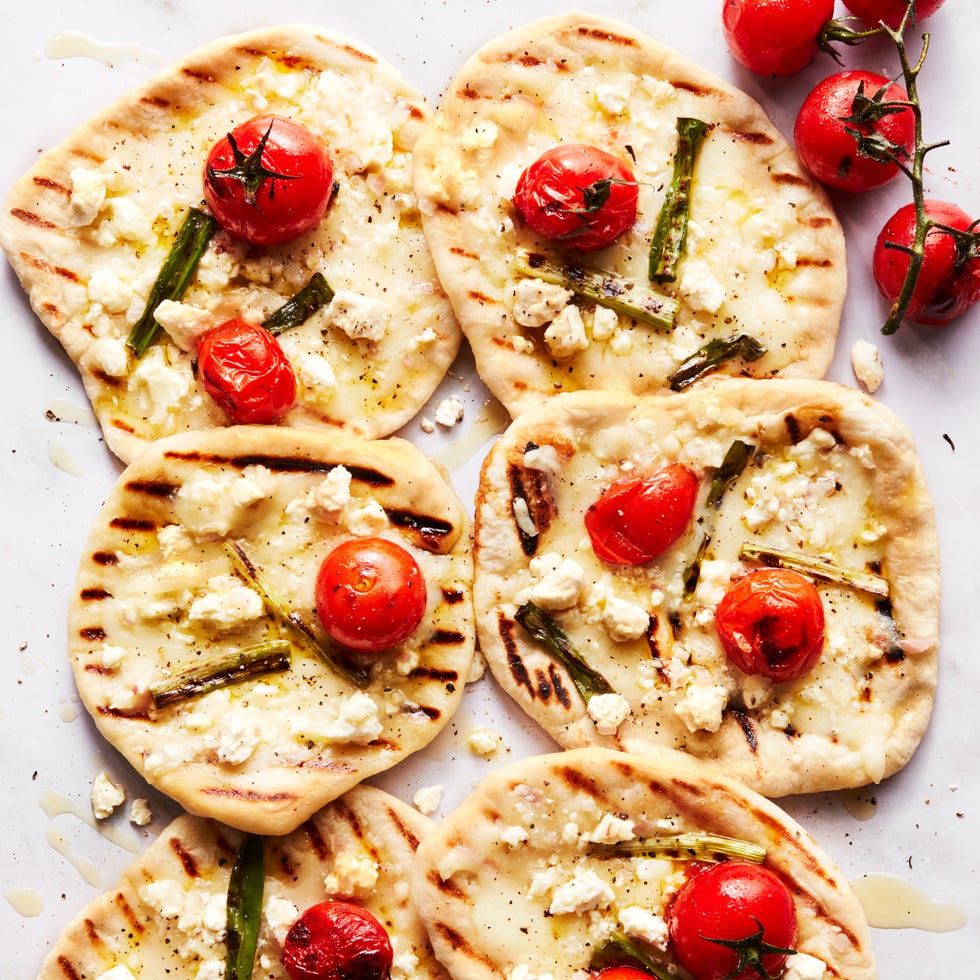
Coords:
947,285
636,520
370,594
891,11
775,37
830,152
337,941
623,973
243,368
268,181
771,622
577,195
732,903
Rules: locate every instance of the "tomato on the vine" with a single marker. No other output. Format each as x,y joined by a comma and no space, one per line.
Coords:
268,181
891,11
771,623
948,284
577,195
243,368
775,37
336,941
823,131
636,520
370,594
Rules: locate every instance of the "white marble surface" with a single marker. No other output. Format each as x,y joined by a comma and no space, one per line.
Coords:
924,824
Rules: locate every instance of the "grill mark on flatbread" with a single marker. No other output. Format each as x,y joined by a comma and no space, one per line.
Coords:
447,638
52,185
699,91
105,557
453,596
434,673
118,423
431,530
155,101
153,488
424,709
187,860
250,795
598,34
126,523
57,270
94,594
92,633
127,714
533,488
106,379
198,74
446,885
128,914
67,969
406,832
35,221
578,781
92,934
459,945
793,180
561,692
315,840
793,428
814,263
748,729
463,253
284,464
753,136
518,668
481,297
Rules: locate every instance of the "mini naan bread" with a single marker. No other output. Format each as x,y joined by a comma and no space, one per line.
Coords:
765,252
833,477
493,882
88,227
167,915
158,593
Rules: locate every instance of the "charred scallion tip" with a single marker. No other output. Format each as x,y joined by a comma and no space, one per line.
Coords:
291,621
175,274
604,288
821,568
712,355
314,295
244,908
539,625
222,671
691,846
670,235
620,950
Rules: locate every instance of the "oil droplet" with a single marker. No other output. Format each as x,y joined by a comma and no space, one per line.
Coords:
88,871
62,410
859,804
61,458
490,421
25,901
890,902
74,44
55,805
69,712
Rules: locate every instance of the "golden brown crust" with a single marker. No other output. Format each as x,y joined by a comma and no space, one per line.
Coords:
156,593
853,493
763,239
87,274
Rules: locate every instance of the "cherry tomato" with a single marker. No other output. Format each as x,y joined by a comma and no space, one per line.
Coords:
732,902
826,147
945,288
578,195
636,520
891,11
337,941
370,594
268,181
243,368
623,973
771,622
774,37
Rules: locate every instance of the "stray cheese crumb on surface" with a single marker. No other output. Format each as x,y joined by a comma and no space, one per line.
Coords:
449,412
427,799
140,813
866,364
107,797
484,741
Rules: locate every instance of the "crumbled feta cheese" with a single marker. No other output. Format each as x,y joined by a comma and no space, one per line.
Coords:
215,503
612,99
513,835
118,972
545,459
866,364
645,925
537,303
328,500
449,412
367,520
140,813
404,965
802,966
612,830
88,192
353,875
173,540
360,317
523,972
522,515
315,374
357,721
211,969
581,893
126,222
480,136
238,740
484,741
624,620
279,914
107,797
699,287
566,333
544,881
427,799
559,581
165,896
604,323
608,711
108,289
109,656
166,386
702,706
426,424
227,603
108,355
184,323
521,344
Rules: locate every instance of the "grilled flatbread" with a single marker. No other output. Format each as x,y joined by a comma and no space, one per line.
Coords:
765,252
158,593
88,227
167,915
493,883
832,480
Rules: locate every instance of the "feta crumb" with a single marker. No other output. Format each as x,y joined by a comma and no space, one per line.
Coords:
353,874
166,386
484,741
612,99
360,317
612,830
608,711
513,835
280,914
109,656
523,972
185,324
107,797
427,799
426,424
866,364
88,190
227,603
581,893
559,583
624,620
702,706
604,323
545,459
328,500
108,355
566,333
643,924
404,964
367,520
537,303
357,721
140,813
315,374
118,972
426,337
109,290
699,287
480,136
210,969
449,412
802,966
214,503
544,881
238,740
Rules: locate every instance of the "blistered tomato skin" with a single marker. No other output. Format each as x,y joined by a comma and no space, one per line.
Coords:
891,11
622,973
337,941
774,37
826,147
578,196
370,594
636,520
731,901
944,289
269,181
243,368
771,623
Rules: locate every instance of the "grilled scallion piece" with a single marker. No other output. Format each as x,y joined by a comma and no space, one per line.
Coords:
691,846
244,905
618,948
712,355
314,295
175,274
876,585
604,288
588,681
222,671
670,235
